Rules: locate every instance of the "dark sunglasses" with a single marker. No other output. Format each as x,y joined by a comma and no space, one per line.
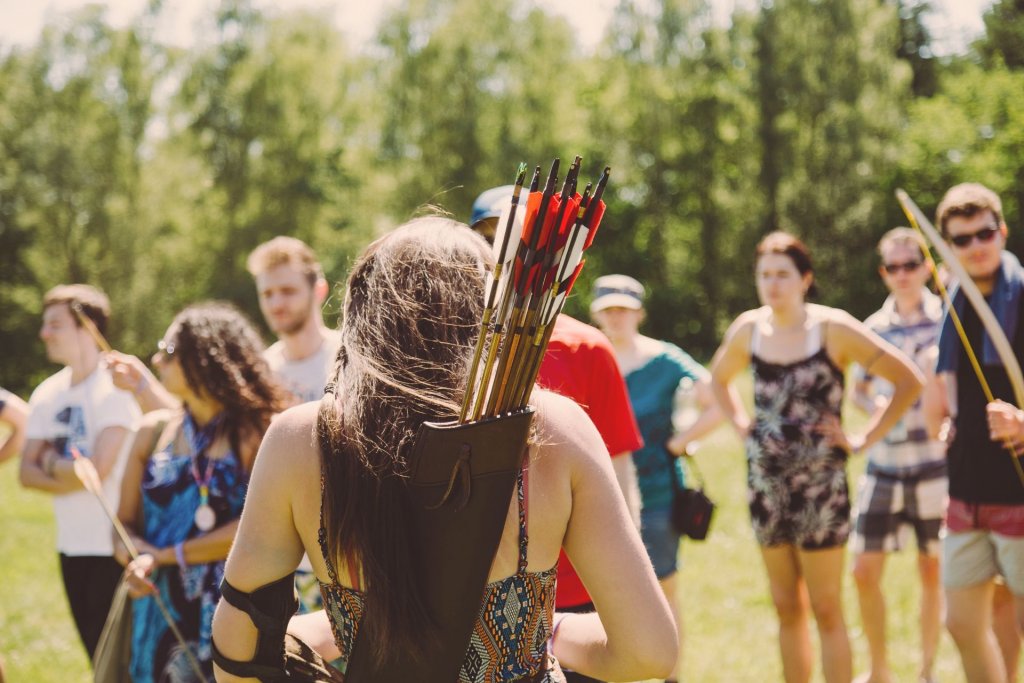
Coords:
908,267
985,234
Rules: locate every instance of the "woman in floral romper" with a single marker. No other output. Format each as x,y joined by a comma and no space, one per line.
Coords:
796,447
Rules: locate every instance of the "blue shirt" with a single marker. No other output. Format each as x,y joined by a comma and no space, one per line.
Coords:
652,389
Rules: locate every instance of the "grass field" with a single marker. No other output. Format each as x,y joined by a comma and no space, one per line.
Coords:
729,622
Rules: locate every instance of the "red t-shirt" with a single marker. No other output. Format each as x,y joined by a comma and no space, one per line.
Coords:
580,364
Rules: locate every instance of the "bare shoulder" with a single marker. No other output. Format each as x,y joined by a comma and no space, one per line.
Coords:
153,432
841,324
290,442
742,327
563,428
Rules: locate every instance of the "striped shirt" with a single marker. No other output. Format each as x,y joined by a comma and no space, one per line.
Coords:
906,448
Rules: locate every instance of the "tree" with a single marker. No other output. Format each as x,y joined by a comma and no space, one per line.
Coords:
1004,29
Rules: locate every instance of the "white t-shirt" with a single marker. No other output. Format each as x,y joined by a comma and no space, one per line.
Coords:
75,416
305,378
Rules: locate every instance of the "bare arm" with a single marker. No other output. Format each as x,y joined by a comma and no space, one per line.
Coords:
31,473
732,357
625,474
132,375
268,545
851,341
129,509
104,457
861,396
314,629
711,415
15,414
626,639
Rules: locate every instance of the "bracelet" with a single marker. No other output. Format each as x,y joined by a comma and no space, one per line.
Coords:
179,555
49,463
141,385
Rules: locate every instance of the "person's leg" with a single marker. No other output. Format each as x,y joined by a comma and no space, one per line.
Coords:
969,568
104,575
969,621
1007,631
926,500
867,573
789,595
76,587
875,533
823,572
1010,624
1011,655
931,611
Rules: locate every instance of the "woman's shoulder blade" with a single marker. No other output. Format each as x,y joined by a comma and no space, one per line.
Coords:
292,436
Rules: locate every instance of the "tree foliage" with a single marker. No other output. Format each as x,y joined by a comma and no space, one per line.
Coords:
152,171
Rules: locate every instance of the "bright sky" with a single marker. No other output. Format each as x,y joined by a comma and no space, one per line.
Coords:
954,22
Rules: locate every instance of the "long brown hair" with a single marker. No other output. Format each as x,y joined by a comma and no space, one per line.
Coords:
411,316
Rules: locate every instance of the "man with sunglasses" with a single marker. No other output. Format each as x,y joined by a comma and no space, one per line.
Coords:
79,411
985,519
905,484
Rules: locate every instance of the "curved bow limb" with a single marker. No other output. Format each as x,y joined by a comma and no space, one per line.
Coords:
988,319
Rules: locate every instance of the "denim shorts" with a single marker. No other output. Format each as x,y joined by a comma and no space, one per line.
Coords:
660,540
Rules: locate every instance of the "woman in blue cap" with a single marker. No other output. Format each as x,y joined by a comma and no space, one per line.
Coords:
654,371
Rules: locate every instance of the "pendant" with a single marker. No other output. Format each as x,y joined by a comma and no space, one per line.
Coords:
205,517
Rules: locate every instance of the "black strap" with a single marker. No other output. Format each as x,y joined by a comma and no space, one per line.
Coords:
686,462
269,607
267,673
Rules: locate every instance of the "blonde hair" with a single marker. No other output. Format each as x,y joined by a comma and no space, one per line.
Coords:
285,251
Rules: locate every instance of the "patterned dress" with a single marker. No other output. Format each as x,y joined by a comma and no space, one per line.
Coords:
509,640
170,497
798,492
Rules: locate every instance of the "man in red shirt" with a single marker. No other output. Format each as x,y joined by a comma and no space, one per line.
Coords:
580,364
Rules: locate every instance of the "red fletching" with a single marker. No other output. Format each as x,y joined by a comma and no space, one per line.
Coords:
527,282
596,221
571,280
568,220
532,207
549,223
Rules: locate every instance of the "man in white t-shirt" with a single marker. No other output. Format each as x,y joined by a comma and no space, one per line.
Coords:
79,408
292,290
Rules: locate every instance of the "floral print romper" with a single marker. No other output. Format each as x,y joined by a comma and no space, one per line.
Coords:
798,492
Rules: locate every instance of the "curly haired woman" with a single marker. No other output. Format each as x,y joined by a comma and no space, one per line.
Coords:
182,499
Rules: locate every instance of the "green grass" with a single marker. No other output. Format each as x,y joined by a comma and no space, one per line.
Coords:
728,617
38,640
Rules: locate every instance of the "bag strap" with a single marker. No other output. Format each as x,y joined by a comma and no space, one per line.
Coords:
689,464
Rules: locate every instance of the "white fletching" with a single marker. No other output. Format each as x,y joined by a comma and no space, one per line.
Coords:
512,244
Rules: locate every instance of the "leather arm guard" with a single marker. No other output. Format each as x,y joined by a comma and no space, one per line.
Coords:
269,607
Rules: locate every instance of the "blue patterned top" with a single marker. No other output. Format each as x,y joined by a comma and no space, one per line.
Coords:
170,497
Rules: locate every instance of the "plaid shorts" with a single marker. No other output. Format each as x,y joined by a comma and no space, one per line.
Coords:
890,505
